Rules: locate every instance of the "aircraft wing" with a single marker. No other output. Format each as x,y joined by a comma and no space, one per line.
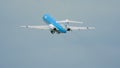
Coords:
36,27
81,28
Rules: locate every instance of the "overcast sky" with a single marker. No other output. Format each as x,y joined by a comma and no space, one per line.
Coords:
30,48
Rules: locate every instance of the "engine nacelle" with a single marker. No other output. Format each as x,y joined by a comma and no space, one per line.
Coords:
68,29
54,29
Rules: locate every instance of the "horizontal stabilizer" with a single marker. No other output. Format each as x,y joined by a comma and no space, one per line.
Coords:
69,21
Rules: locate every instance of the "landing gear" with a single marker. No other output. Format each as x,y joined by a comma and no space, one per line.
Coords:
53,31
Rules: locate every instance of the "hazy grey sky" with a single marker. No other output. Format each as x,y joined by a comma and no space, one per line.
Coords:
30,48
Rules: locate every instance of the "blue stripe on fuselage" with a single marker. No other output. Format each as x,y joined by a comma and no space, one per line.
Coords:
50,20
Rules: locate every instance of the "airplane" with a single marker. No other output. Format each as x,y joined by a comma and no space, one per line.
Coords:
57,26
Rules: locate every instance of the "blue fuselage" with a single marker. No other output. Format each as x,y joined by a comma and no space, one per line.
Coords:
50,20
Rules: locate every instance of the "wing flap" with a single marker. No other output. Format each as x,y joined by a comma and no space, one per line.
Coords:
81,28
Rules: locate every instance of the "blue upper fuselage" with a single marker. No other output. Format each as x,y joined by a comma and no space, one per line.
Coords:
50,20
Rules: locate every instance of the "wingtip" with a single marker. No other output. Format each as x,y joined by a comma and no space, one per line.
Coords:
24,26
91,28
